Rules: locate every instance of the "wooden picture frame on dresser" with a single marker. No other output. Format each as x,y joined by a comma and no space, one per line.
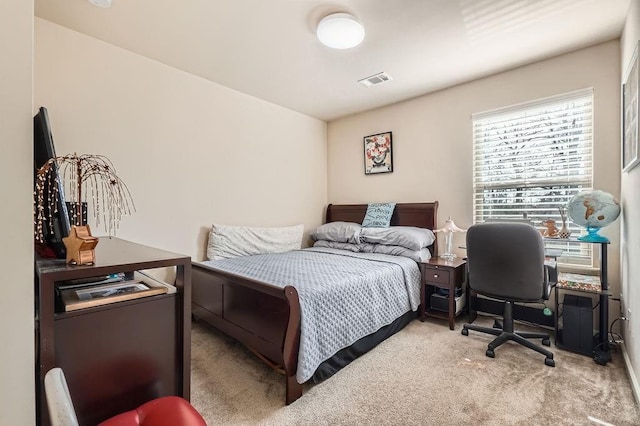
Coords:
119,355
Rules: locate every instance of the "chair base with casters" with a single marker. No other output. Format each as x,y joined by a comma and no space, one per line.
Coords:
163,411
507,333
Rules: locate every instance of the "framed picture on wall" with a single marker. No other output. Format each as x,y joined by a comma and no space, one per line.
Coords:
630,115
377,154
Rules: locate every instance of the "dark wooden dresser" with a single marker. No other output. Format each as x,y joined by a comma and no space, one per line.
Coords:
115,356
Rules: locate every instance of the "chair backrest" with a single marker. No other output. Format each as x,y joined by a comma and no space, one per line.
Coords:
61,411
506,260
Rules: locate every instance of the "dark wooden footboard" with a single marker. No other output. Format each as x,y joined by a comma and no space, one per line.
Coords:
263,317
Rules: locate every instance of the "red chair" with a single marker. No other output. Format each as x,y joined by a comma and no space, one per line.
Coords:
164,411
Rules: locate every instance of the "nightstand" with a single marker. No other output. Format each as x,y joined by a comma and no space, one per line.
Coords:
440,273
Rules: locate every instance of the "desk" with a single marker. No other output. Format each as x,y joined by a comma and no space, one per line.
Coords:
601,353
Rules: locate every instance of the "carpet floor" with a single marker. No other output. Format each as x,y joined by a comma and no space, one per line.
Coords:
424,375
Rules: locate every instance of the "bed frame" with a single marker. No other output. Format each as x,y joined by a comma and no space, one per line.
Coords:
266,318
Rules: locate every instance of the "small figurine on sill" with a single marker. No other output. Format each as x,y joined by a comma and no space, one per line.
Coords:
551,231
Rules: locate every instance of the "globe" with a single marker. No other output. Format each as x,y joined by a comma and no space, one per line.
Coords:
593,210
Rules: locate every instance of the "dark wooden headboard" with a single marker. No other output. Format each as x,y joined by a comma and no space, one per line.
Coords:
422,215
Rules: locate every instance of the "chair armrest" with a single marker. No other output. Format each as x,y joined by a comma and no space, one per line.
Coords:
550,279
552,273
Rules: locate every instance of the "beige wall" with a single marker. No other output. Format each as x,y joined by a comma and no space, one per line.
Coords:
432,139
192,152
630,233
16,303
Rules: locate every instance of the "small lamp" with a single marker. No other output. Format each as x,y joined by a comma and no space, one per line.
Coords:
448,229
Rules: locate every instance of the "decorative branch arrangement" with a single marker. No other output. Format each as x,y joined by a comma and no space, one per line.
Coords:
110,197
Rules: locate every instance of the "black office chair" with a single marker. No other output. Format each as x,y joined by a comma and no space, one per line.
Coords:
505,261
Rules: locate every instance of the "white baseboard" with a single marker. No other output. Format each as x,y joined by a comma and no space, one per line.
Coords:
635,385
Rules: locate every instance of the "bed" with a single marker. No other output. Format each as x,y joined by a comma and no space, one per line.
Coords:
267,318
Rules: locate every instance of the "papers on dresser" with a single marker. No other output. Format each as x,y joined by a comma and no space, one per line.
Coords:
105,290
153,282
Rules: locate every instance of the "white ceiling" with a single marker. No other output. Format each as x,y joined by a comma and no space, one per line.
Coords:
268,48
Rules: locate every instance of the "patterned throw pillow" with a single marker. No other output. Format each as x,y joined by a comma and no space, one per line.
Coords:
378,215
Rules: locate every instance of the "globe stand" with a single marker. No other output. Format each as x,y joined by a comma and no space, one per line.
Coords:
593,236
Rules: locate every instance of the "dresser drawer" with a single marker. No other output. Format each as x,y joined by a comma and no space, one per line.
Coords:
436,275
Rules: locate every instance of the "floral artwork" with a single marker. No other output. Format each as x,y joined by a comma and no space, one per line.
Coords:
377,154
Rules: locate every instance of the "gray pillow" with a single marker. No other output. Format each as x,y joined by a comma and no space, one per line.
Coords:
421,255
340,232
378,215
409,237
336,245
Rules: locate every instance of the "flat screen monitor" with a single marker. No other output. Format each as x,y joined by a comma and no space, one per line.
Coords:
56,226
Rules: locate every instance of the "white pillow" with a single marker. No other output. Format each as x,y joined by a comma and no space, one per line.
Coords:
234,241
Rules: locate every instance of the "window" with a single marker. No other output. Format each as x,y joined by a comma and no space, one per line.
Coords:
530,159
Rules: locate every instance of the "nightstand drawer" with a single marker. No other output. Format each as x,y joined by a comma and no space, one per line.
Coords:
436,275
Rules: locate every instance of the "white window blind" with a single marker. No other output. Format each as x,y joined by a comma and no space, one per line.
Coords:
530,159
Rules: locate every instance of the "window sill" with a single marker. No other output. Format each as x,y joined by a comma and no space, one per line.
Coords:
578,269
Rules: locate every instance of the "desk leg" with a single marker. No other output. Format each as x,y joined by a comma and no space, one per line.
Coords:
423,302
452,307
602,355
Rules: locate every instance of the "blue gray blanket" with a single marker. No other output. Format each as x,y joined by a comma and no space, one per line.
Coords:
344,296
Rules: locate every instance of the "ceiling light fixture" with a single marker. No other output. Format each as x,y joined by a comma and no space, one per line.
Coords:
340,31
101,3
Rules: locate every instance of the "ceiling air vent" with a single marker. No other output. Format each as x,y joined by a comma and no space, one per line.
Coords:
381,77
